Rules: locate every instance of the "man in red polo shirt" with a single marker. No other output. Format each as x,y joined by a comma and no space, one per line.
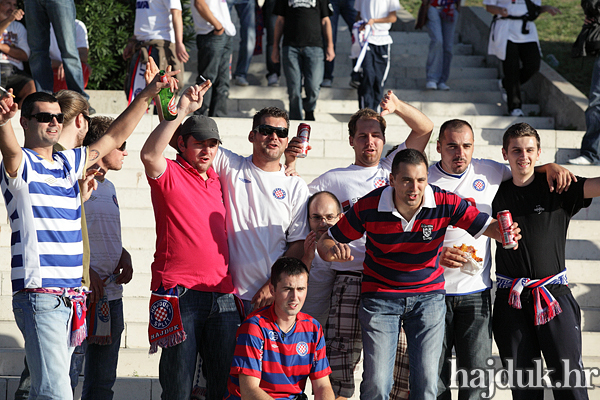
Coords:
193,309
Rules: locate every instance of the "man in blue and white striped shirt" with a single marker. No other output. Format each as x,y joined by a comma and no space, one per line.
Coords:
41,193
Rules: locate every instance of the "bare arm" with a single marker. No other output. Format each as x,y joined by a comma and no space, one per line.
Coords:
591,188
9,146
421,126
180,50
124,125
14,52
279,24
550,10
329,250
493,232
391,18
326,29
250,389
501,11
152,151
295,249
322,389
15,15
208,16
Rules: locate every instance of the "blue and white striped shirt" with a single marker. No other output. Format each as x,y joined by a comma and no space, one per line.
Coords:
44,210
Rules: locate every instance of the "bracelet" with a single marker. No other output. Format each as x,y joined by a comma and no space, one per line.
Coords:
5,122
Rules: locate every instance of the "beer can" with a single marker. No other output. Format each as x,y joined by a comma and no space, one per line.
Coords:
304,135
505,221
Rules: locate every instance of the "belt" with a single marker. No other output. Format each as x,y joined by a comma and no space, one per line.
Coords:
349,273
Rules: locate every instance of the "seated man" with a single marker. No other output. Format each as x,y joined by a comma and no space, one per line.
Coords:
278,346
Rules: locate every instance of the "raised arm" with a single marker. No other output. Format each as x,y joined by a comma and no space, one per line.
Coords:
124,125
152,151
421,126
9,146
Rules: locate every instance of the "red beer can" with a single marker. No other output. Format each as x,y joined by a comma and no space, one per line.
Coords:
505,221
304,135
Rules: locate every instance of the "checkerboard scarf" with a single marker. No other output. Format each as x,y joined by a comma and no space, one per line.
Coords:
165,328
540,293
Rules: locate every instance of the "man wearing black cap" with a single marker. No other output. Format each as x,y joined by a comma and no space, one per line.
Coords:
192,308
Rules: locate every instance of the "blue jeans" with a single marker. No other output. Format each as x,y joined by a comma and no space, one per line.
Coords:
423,321
441,33
590,144
43,319
39,14
469,331
298,62
269,21
101,360
345,9
245,12
210,321
213,63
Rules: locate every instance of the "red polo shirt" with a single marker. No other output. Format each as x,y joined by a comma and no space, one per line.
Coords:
191,238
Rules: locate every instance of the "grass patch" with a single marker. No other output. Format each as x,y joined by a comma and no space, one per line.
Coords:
557,35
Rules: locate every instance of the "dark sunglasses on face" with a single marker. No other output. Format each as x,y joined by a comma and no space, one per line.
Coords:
86,117
47,117
123,147
268,130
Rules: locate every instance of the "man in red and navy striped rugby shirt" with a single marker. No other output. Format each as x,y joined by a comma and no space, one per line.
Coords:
403,281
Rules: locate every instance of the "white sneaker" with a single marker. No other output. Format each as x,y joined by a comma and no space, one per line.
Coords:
517,112
241,81
273,80
431,85
502,91
326,83
581,160
443,86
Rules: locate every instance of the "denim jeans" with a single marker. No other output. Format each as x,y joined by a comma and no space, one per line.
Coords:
590,144
345,9
39,14
422,317
270,18
469,331
441,33
213,63
245,12
298,62
101,360
43,319
210,321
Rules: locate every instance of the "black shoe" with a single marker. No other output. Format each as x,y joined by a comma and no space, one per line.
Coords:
309,115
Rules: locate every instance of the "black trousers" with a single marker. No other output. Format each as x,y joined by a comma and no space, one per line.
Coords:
521,62
375,68
559,340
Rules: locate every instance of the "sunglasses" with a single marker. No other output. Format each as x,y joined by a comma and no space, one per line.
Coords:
47,117
268,130
86,117
123,147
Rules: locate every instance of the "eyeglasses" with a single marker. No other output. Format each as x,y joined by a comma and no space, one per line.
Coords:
268,130
327,218
87,118
123,147
47,117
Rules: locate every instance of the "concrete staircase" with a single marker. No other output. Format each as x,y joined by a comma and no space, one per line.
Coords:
474,97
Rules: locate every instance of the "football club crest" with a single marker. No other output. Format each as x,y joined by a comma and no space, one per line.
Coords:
380,182
273,335
427,230
78,307
103,310
161,314
479,185
302,349
279,194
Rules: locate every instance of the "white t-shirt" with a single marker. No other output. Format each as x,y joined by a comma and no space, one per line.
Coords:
81,40
153,20
478,184
220,11
16,35
350,184
377,9
265,212
104,232
510,29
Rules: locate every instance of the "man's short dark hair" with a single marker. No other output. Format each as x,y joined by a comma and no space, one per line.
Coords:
274,112
325,193
289,266
28,103
408,156
365,114
453,125
519,130
98,127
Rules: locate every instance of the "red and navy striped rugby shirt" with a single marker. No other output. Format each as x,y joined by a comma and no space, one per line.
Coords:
402,264
282,361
